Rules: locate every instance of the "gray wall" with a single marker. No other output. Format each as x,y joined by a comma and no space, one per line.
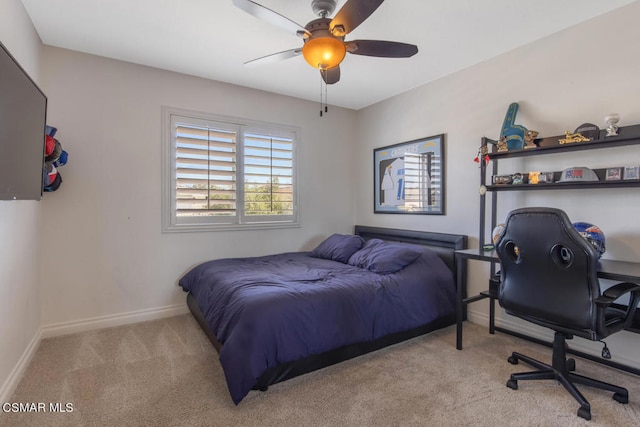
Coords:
105,220
575,76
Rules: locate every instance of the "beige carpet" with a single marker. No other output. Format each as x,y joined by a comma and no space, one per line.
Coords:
166,373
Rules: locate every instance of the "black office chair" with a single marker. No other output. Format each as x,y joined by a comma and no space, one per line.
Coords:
548,276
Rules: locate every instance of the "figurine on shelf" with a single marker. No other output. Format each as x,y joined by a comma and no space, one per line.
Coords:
529,139
502,145
612,120
573,137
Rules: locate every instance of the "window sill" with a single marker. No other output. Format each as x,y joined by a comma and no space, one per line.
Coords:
203,228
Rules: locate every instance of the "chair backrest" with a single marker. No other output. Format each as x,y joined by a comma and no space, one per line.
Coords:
548,271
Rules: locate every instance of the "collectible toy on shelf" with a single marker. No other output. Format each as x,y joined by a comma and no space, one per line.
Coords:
578,174
573,137
516,136
586,132
530,138
612,120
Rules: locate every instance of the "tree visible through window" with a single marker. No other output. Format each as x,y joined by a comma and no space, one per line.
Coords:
225,174
268,175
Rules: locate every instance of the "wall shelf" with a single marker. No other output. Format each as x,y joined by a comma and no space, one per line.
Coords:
565,185
608,269
629,135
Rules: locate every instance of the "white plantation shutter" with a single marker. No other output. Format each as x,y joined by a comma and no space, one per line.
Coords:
205,171
268,176
225,175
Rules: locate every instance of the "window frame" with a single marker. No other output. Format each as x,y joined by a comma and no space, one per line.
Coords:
239,221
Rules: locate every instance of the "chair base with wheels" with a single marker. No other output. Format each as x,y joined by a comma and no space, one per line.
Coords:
560,370
548,276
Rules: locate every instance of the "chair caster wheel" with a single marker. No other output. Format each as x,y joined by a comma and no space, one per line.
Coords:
571,364
622,398
584,413
513,360
512,384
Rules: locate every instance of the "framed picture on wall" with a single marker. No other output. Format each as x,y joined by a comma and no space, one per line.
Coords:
408,178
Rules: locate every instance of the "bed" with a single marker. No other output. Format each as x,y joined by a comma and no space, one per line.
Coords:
275,317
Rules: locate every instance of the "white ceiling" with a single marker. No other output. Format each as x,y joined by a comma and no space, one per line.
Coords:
213,39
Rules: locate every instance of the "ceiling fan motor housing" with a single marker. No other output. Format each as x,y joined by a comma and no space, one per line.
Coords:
319,28
323,8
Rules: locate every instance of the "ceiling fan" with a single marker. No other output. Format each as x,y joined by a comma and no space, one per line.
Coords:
324,46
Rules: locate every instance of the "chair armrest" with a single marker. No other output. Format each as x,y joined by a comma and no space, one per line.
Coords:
615,292
608,297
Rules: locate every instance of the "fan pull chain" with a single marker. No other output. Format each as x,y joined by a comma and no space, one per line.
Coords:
326,98
320,95
323,106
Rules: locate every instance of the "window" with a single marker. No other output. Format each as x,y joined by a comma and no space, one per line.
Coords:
225,173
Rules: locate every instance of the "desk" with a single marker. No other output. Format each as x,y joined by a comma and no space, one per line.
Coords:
462,300
621,271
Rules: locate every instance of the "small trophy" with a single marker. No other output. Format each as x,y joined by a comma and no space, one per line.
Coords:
612,120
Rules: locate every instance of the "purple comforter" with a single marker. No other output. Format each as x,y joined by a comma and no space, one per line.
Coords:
279,308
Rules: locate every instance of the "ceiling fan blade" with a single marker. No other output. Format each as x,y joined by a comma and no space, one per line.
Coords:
331,76
275,57
354,13
273,18
381,48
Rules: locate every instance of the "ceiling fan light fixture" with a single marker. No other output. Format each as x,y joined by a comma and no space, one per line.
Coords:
324,46
324,52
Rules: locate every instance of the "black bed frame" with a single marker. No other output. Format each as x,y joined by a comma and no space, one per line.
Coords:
443,244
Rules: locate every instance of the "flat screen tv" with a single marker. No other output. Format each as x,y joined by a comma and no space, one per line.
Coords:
23,111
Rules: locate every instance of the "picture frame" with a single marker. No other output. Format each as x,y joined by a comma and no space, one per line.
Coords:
631,172
545,178
613,174
534,177
501,179
409,177
517,178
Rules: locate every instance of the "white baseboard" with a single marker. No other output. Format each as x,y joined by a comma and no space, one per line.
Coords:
108,321
18,370
530,330
65,328
524,328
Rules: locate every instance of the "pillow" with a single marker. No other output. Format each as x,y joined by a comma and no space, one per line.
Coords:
338,247
385,257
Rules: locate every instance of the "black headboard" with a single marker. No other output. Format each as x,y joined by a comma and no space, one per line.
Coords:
444,244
